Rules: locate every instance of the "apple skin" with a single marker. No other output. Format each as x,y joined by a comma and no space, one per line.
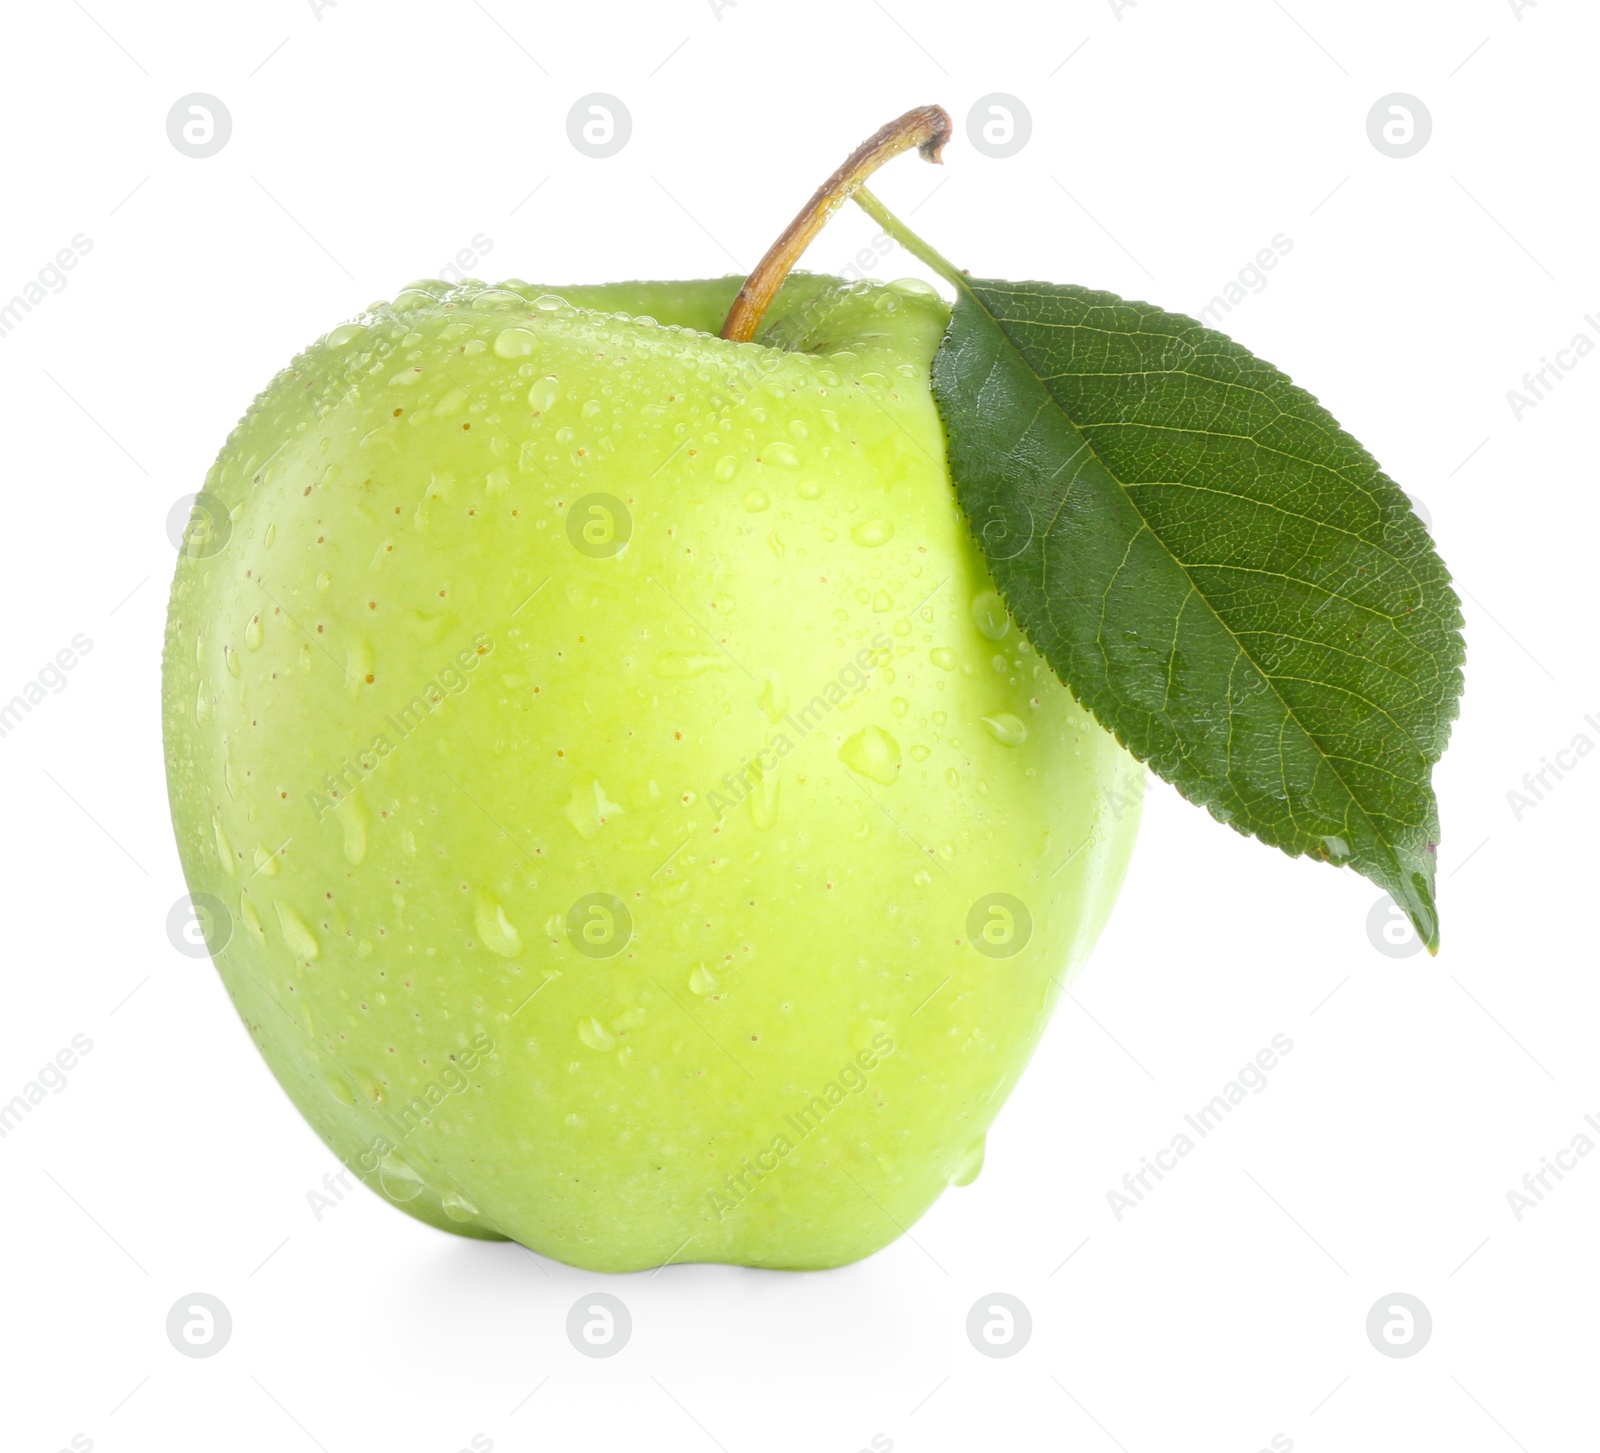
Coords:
410,724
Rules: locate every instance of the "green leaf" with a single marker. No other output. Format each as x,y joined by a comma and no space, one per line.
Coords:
1220,573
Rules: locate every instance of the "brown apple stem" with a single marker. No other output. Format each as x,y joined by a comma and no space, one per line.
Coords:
926,127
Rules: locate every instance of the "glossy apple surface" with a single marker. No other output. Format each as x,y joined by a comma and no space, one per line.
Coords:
638,829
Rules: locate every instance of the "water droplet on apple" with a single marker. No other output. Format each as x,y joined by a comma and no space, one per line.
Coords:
872,533
726,468
757,500
702,981
251,919
450,402
383,434
297,937
418,293
399,1178
549,303
763,800
359,662
457,1207
340,1090
345,334
252,633
774,698
353,817
873,753
224,848
781,454
989,615
943,657
594,1034
1006,729
266,861
496,932
543,394
967,1168
514,343
589,809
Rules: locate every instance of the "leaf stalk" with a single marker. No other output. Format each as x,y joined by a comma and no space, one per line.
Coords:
925,127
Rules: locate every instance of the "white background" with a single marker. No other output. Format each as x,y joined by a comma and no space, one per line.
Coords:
1169,144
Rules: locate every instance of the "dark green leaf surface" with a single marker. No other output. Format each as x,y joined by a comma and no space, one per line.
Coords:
1216,570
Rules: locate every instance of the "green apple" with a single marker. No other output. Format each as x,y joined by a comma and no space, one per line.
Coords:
640,830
